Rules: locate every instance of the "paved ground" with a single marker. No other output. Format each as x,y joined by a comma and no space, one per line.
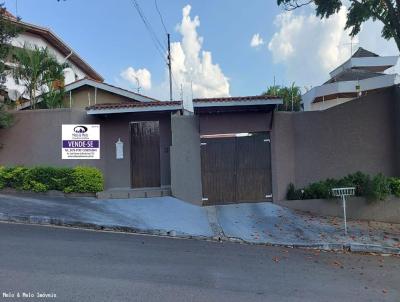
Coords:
256,223
79,265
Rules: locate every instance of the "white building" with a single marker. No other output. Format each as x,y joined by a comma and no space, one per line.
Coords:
33,35
359,75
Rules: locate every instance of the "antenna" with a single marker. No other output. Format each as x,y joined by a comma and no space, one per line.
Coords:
138,84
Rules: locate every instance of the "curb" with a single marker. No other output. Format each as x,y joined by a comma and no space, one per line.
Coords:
46,220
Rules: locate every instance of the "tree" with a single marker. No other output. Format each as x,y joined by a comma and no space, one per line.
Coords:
291,97
386,11
39,71
7,31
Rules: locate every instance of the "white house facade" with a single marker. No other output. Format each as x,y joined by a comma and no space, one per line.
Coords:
33,35
362,73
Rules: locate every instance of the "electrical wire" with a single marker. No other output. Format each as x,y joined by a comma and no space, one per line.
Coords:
161,17
159,46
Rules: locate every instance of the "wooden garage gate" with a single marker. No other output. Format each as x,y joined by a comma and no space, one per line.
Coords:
236,169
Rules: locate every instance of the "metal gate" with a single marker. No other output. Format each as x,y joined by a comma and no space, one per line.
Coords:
145,154
236,168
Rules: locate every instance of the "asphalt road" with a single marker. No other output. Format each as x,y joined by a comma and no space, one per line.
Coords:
79,265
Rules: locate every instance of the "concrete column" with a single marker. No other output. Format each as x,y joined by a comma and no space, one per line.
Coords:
185,159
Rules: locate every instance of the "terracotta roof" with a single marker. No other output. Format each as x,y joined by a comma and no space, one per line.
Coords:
132,105
239,98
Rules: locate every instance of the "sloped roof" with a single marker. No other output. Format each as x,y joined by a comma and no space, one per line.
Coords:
353,75
134,107
49,36
110,88
362,53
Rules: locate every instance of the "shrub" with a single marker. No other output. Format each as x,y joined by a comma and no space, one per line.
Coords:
42,179
293,194
86,179
394,184
317,190
379,188
358,180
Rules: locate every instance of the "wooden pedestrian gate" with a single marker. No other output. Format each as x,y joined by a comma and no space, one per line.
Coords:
145,154
236,168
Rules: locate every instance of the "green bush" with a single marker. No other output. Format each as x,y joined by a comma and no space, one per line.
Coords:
293,194
86,179
42,179
394,184
377,188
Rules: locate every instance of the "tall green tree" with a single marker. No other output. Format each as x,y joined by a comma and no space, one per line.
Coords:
291,97
8,30
38,71
385,11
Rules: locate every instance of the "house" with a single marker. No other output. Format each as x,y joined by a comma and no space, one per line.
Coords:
87,92
34,35
229,150
359,75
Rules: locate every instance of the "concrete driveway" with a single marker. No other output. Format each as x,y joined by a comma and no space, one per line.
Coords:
261,223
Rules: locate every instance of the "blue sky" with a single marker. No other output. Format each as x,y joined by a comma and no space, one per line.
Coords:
110,36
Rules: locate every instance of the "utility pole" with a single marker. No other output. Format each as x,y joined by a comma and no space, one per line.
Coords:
169,68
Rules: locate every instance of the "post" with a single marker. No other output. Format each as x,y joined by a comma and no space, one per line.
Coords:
169,67
344,214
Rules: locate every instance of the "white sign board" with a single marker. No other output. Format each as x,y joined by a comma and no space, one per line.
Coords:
80,141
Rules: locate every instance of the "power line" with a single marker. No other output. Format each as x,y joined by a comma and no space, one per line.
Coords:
159,46
161,17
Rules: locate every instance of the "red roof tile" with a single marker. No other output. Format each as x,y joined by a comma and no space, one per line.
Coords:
132,105
239,98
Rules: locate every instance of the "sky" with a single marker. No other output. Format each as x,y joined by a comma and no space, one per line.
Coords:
219,48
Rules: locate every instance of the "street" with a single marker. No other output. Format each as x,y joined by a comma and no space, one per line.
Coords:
80,265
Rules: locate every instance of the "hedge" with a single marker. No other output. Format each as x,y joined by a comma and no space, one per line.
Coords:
373,188
41,179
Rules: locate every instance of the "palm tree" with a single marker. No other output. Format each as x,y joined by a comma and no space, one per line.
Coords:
291,96
37,70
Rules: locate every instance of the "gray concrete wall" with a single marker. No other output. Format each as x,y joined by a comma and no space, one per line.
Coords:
360,135
185,159
235,122
358,208
35,139
282,154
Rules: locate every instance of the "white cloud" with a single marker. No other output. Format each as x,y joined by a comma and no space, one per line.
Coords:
191,64
309,48
193,69
256,41
141,77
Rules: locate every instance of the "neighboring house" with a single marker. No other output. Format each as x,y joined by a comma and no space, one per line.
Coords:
87,92
34,35
359,75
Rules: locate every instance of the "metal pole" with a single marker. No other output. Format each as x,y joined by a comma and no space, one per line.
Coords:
169,68
344,215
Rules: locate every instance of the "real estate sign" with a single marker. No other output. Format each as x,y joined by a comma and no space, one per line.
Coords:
80,141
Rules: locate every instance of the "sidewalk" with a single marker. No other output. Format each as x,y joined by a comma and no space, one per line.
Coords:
260,223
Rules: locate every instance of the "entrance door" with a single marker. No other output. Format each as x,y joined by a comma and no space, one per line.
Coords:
145,154
236,169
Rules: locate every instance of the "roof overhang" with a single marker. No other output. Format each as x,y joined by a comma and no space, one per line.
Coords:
109,88
236,103
349,87
129,108
375,64
60,45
